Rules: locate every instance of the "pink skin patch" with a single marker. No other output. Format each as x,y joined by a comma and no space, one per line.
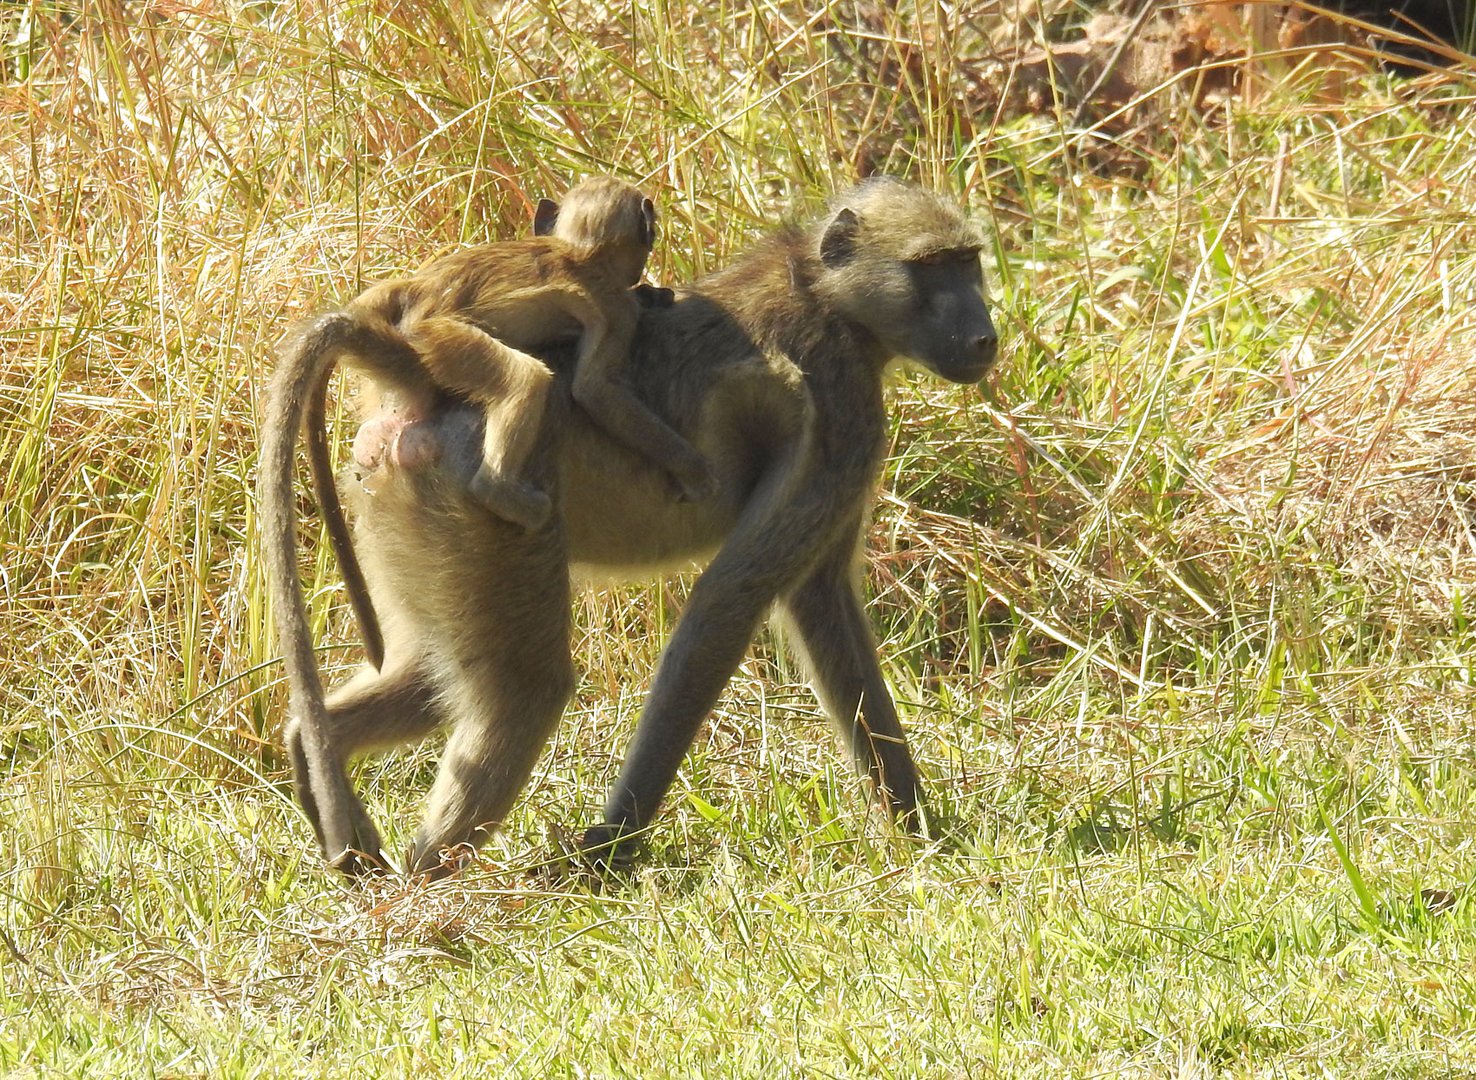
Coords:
417,446
402,442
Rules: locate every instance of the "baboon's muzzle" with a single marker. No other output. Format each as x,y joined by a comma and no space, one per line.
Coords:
976,352
986,347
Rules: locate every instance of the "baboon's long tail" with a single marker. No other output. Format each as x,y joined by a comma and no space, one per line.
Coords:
296,397
330,506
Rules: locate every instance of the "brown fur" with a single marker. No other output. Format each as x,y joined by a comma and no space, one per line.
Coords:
773,369
458,326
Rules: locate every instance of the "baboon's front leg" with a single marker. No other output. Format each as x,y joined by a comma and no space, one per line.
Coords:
771,549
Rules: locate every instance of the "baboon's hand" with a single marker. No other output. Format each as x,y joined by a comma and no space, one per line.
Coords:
605,848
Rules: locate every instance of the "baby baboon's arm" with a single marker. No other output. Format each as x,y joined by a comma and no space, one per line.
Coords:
603,351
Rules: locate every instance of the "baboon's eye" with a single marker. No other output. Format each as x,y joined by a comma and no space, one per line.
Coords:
947,257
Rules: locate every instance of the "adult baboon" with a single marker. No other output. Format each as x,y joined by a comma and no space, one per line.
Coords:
773,369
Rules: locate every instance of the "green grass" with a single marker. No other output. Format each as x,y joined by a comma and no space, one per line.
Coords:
1178,608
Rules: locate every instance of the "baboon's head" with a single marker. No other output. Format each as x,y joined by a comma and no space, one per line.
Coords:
904,264
606,215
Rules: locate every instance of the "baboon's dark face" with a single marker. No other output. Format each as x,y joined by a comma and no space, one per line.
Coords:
920,295
949,330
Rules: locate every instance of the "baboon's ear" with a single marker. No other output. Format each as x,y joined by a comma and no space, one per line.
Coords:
839,242
648,223
545,217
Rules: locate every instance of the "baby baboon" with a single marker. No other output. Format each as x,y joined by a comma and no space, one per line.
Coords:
774,368
469,315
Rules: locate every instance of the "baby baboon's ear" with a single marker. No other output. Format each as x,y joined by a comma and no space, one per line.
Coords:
545,217
654,296
839,242
648,223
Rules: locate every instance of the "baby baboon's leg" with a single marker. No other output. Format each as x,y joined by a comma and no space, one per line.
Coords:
597,387
837,646
512,387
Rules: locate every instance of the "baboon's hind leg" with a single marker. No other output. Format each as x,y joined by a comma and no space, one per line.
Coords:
508,711
503,673
381,709
836,643
373,708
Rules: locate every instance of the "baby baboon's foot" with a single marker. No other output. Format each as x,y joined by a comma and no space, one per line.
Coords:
653,296
512,500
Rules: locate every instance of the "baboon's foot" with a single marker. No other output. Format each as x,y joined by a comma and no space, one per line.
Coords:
608,849
347,837
512,500
436,863
360,865
353,851
653,296
573,861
